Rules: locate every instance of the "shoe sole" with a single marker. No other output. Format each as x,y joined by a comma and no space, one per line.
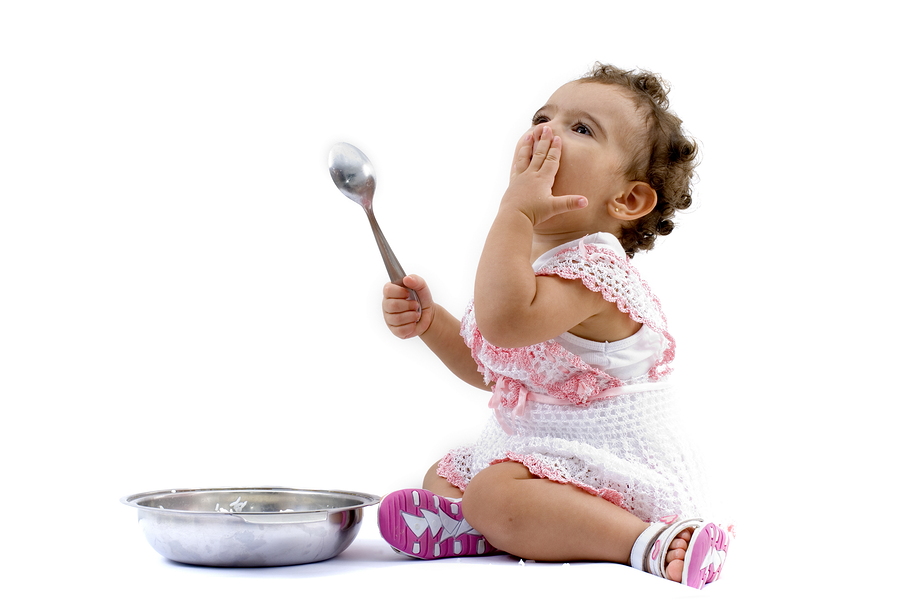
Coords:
418,523
705,555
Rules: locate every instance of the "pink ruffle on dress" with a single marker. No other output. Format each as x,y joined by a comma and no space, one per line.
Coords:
599,416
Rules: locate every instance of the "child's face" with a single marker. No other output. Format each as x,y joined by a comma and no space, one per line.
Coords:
596,122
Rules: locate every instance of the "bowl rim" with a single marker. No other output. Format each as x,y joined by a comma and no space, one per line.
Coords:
367,499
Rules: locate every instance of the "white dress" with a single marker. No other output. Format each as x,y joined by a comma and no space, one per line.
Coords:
596,415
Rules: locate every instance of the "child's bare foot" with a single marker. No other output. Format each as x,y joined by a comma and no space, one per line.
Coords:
676,554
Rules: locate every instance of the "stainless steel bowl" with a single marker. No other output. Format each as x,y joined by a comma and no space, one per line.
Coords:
249,527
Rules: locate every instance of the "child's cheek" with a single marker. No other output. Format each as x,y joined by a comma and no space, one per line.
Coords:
566,176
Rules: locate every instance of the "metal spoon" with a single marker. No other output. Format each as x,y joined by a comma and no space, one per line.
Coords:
354,175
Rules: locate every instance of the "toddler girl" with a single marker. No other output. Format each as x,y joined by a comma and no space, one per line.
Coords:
582,459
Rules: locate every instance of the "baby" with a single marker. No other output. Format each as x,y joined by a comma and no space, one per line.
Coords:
582,459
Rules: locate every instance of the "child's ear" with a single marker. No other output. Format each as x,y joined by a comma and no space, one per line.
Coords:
636,202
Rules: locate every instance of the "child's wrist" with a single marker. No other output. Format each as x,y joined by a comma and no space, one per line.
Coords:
515,216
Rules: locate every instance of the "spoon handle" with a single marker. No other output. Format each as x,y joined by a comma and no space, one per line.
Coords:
394,270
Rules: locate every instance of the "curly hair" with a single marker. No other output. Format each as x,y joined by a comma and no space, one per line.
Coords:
666,160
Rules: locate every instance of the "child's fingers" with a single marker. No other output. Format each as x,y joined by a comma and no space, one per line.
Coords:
396,307
551,160
395,303
403,325
418,284
402,317
394,291
549,148
405,317
564,204
541,148
522,158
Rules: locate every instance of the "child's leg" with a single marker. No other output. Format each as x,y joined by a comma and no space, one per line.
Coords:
439,485
512,510
542,520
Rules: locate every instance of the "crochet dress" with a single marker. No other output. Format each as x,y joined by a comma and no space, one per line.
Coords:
595,415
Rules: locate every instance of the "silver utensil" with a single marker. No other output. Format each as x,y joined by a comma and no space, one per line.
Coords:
354,175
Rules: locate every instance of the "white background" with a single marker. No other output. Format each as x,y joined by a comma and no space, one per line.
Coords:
187,301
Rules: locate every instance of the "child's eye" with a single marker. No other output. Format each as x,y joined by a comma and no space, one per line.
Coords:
580,128
538,119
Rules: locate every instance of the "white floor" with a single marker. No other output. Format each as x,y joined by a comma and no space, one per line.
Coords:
98,550
369,567
117,563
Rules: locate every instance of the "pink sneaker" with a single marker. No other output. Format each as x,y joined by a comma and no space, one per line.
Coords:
421,524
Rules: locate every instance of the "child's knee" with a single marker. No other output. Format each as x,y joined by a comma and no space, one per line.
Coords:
489,503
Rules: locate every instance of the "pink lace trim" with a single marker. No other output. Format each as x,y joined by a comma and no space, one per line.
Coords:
542,470
584,380
447,469
603,271
548,368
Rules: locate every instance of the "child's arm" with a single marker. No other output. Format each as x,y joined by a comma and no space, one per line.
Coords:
515,308
436,327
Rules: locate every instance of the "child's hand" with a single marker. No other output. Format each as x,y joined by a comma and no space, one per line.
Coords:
533,173
400,314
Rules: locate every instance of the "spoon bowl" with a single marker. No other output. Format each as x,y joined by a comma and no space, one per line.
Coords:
353,174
